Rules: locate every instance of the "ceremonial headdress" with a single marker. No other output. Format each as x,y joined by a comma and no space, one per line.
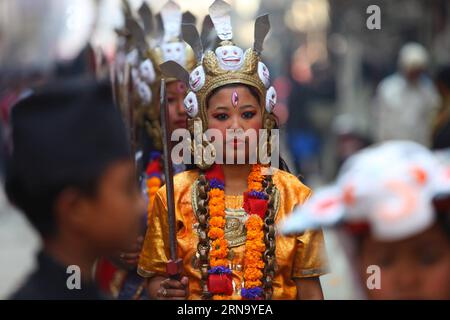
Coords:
228,64
155,39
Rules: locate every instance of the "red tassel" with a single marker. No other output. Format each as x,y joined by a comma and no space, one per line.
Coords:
220,284
255,206
153,167
215,172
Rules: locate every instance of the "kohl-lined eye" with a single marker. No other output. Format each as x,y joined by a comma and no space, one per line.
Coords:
248,114
221,116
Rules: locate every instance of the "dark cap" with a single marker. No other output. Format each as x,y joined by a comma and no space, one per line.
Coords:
63,133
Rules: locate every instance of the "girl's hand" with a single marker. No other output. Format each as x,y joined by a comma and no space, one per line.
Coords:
170,289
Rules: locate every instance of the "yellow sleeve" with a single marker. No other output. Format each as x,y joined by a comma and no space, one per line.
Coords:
310,258
310,254
155,251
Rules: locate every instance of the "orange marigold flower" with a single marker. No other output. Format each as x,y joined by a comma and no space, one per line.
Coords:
257,263
253,255
219,243
217,222
154,182
214,262
216,193
221,253
256,187
255,246
219,248
214,201
254,222
252,274
255,235
217,211
252,261
215,233
252,284
153,190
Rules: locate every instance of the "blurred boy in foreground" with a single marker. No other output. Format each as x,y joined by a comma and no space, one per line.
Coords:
72,174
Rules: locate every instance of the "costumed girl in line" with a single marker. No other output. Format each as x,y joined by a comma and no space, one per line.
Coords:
226,214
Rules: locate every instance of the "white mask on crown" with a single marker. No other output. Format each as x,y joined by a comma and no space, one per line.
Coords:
133,58
197,79
135,75
174,51
147,71
230,58
264,74
271,99
191,105
144,92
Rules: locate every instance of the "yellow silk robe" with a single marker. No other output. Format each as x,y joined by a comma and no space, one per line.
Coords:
296,256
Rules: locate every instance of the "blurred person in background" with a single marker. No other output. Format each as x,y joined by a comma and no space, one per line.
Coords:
441,134
391,206
313,89
349,139
72,175
406,101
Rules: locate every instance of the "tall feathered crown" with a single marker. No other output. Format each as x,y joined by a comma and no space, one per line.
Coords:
228,64
155,46
154,39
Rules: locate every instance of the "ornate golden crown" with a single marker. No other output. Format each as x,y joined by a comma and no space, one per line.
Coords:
217,77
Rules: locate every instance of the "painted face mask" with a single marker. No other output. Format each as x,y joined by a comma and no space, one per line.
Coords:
264,74
230,57
135,75
174,51
271,99
144,92
197,79
133,58
191,105
147,72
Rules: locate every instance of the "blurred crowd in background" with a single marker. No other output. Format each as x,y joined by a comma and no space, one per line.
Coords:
341,86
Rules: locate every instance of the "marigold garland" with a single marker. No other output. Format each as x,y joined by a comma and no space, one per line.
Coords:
219,245
154,178
254,247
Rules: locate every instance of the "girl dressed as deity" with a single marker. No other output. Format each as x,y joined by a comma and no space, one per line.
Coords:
227,211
